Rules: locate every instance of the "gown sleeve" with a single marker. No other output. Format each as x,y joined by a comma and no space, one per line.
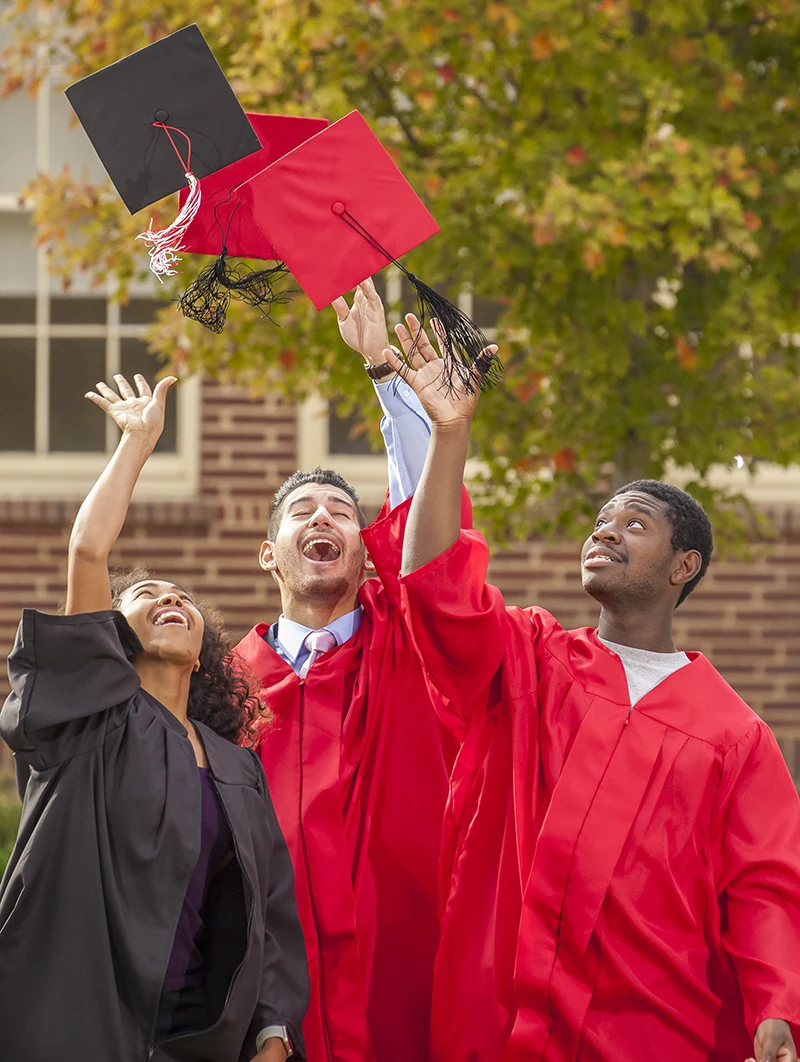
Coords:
67,673
284,995
457,621
384,541
757,837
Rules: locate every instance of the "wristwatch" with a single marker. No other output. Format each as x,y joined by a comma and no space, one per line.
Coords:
380,372
279,1032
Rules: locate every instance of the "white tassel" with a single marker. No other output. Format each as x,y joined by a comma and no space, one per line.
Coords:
165,244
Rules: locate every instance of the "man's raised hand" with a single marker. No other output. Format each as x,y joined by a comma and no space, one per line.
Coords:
446,404
141,414
363,325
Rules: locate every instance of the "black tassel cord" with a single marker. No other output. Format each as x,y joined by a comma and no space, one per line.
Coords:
462,342
208,297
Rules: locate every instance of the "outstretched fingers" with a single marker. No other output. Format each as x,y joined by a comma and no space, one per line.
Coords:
125,388
98,400
400,365
341,308
142,385
162,387
107,392
414,340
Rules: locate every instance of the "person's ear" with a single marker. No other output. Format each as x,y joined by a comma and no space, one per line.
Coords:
196,667
686,568
266,557
369,565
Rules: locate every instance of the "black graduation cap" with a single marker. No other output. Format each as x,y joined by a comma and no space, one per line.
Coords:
161,117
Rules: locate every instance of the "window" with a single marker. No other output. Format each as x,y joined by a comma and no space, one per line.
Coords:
55,345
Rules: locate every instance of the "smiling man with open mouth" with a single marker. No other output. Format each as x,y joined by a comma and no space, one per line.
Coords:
356,761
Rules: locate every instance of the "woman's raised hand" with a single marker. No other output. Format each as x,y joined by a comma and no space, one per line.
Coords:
141,414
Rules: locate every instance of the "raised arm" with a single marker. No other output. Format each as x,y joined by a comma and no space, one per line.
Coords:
434,521
405,426
100,518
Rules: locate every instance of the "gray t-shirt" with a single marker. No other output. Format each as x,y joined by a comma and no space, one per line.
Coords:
643,669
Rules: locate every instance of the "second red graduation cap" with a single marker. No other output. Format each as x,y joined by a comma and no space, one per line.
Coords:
337,209
311,203
222,220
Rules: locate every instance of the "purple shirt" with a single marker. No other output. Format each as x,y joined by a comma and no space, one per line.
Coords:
185,969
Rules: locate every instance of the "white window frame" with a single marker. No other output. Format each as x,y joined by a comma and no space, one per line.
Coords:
41,474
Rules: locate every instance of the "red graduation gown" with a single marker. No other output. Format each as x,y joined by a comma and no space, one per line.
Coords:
358,765
618,883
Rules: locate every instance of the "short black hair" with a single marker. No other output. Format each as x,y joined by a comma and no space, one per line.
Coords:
691,528
321,476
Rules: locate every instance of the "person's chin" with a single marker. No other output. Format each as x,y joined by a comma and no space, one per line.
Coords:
597,582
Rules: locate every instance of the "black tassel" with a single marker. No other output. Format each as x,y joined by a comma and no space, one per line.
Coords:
461,341
207,299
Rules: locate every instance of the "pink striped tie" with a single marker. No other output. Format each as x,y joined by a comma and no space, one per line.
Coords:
318,642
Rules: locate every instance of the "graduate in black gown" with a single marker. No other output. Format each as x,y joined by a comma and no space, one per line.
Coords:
148,910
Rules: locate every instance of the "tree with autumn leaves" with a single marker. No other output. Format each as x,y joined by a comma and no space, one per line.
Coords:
619,178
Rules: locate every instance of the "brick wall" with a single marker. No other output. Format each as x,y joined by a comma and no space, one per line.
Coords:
745,616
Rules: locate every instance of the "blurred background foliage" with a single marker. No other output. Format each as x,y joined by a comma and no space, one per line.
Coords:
616,182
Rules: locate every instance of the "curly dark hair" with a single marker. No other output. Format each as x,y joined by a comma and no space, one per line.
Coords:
321,476
221,694
691,528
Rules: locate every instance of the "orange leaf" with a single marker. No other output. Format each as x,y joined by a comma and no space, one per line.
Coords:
616,235
529,386
679,145
433,184
496,12
752,222
576,156
564,460
683,51
544,234
426,99
541,46
592,256
687,356
449,14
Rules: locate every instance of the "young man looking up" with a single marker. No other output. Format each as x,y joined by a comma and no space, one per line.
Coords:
357,761
623,834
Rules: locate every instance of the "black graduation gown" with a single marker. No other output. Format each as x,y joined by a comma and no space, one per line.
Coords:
109,838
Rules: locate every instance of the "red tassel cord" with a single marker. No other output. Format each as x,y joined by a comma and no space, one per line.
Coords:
166,243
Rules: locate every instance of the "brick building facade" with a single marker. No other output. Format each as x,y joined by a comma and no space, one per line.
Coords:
745,616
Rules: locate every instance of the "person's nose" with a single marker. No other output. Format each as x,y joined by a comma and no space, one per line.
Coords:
607,532
321,518
169,597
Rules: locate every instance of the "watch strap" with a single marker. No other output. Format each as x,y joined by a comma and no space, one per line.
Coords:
278,1032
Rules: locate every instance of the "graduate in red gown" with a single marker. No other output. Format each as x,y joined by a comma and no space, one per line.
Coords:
621,873
357,760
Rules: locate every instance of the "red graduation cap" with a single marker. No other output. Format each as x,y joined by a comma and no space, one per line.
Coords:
305,200
222,221
337,209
